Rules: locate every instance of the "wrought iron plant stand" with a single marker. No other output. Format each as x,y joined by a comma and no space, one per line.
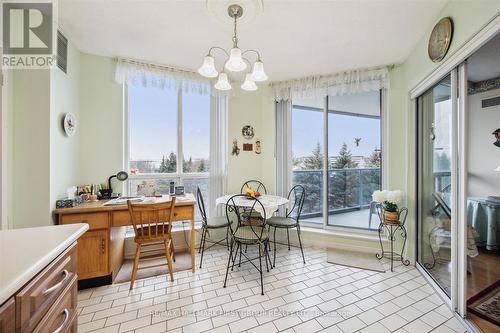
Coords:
391,229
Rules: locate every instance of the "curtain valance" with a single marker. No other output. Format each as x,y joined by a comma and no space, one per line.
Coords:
150,75
344,83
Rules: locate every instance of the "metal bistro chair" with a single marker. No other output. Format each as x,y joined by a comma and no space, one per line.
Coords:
152,226
254,185
257,186
246,231
210,224
291,220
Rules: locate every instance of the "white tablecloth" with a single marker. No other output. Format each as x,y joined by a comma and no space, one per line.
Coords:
271,203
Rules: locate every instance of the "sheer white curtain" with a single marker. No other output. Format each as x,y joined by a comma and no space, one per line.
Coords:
136,72
218,151
344,83
283,147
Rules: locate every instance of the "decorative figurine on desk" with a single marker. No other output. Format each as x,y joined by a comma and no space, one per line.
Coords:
392,219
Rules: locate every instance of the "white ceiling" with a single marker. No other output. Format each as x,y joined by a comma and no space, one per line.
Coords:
484,64
296,38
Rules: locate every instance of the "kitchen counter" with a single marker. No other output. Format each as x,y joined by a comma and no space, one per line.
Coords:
26,252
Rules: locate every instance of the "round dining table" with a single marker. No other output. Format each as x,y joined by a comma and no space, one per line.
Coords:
271,203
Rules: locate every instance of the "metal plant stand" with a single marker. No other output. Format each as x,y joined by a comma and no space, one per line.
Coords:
392,229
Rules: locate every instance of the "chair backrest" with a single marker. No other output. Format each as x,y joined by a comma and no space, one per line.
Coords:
149,219
247,217
255,185
296,197
201,205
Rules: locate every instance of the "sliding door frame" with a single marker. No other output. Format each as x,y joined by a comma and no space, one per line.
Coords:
460,305
456,62
451,299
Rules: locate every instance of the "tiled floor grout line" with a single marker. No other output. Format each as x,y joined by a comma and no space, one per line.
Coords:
287,273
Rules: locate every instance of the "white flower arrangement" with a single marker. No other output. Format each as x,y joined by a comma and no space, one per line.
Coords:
390,199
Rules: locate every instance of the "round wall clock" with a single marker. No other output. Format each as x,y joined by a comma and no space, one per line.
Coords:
247,132
440,39
69,124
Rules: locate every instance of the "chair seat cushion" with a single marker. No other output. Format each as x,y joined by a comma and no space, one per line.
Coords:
279,221
247,235
152,234
217,222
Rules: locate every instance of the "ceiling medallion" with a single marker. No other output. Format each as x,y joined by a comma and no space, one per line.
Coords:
235,60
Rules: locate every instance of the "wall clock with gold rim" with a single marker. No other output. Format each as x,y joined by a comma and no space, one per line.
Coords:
440,39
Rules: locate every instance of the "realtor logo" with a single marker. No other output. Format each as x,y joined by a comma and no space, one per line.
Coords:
28,34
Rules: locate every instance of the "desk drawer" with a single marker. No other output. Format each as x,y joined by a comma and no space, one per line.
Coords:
121,218
183,213
34,300
94,220
61,317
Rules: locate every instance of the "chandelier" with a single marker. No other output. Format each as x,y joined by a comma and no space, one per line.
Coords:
235,61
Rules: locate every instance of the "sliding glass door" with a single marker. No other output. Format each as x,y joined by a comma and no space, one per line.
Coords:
436,189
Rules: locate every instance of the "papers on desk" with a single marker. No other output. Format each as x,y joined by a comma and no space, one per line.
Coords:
182,198
123,201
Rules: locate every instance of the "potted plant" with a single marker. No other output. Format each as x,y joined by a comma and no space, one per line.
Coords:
390,201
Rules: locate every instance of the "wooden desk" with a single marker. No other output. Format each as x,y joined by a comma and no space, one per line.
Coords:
100,249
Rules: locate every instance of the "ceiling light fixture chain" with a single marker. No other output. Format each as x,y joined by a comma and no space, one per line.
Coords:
235,62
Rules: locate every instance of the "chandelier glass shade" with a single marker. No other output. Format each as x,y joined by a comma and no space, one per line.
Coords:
223,82
235,61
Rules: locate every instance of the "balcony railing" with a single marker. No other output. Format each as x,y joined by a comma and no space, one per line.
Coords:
348,189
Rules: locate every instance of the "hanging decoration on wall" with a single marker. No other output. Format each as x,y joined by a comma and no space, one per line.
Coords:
257,147
69,124
236,149
497,137
247,132
247,147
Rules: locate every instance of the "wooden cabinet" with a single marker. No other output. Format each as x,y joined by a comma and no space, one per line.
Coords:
35,299
100,249
47,303
8,316
93,254
61,316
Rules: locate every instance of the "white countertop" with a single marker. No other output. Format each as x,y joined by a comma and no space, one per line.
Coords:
25,252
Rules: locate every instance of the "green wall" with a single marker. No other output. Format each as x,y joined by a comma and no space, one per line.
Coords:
97,151
468,17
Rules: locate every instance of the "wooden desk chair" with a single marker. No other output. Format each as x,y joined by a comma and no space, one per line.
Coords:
152,226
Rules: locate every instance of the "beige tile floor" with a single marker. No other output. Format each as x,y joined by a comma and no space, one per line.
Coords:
315,297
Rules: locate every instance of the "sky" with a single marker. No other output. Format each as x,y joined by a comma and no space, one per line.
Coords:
153,127
307,131
153,123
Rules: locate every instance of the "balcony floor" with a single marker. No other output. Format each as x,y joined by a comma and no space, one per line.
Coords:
356,219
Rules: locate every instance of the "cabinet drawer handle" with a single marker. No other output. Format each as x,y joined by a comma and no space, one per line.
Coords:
58,284
103,245
65,321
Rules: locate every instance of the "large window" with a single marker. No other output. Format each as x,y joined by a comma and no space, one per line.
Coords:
169,140
338,187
